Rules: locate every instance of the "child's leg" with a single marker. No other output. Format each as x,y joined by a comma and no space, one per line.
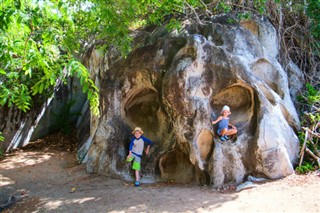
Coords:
232,131
222,132
136,167
137,175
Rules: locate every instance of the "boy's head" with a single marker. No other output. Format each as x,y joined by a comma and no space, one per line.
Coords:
226,109
137,130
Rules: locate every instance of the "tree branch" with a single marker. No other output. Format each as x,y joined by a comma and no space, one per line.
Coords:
193,10
303,148
313,133
313,155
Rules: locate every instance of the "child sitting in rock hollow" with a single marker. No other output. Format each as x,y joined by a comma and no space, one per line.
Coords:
225,129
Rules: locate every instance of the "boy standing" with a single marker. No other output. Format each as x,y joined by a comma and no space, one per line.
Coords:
223,126
136,150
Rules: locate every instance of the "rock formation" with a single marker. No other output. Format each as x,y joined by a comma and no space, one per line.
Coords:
170,87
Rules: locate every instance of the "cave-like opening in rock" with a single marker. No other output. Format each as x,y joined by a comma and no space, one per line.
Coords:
241,102
175,166
141,110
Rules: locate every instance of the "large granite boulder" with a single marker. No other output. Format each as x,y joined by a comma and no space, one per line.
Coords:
172,85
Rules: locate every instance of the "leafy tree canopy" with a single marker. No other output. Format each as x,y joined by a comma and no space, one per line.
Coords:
41,39
37,52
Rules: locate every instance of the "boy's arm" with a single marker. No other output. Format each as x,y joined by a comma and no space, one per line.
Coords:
130,147
147,150
149,144
147,140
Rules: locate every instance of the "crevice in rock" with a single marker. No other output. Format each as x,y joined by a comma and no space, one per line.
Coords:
141,110
175,166
264,70
268,94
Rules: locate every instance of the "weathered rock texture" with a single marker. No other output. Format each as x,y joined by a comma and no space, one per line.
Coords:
172,85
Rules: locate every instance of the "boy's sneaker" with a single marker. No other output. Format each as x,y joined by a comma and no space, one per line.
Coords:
226,137
137,183
129,159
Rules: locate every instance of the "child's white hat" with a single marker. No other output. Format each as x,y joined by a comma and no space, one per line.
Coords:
225,108
137,129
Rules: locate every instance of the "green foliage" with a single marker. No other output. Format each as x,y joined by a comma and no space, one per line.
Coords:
232,21
1,140
173,24
245,16
77,69
313,95
313,9
225,7
37,42
305,168
310,97
260,5
310,120
1,137
114,20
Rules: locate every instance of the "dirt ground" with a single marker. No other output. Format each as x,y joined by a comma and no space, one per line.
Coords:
45,177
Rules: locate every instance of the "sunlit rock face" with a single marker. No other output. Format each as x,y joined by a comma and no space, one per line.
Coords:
172,86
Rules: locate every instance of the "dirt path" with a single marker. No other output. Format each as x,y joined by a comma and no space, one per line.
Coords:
52,181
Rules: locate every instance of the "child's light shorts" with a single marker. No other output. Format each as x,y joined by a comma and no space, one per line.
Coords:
219,131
